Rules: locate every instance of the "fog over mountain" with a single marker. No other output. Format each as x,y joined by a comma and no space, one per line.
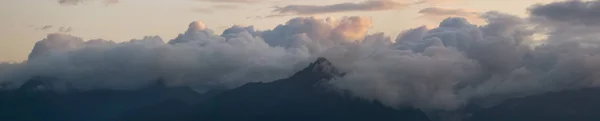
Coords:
443,68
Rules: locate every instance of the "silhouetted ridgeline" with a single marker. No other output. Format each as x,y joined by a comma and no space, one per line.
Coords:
305,96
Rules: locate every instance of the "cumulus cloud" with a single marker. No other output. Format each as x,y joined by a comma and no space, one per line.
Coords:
441,68
196,57
370,5
459,63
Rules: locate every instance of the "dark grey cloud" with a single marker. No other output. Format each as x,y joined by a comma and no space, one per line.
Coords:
46,27
370,5
571,11
568,20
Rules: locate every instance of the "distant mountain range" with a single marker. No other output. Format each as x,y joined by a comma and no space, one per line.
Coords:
305,96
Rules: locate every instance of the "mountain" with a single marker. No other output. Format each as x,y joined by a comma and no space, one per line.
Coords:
301,97
305,96
572,105
34,101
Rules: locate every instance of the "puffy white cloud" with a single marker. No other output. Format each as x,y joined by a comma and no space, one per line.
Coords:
459,63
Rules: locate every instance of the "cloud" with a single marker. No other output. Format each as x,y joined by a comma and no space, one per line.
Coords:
371,5
46,27
322,31
225,7
568,20
65,29
232,1
196,57
442,68
214,8
203,10
69,2
435,11
436,14
77,2
572,11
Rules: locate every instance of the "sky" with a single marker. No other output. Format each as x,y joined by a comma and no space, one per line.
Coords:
25,22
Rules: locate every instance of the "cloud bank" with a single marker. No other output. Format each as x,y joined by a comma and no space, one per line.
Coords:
572,11
443,68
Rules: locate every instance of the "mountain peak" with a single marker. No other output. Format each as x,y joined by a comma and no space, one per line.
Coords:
320,69
322,65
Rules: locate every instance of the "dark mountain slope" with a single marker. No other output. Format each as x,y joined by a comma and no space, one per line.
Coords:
573,105
32,103
302,97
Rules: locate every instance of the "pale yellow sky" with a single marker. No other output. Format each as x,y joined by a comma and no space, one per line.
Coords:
22,19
